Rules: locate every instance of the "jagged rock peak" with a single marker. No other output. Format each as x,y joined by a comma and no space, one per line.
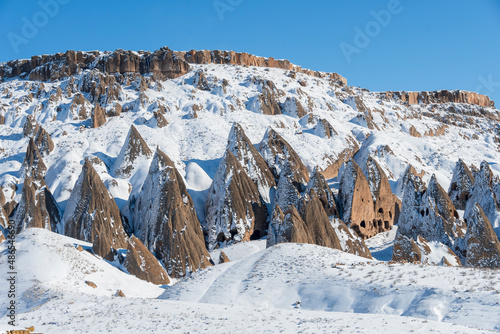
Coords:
356,201
293,107
235,211
165,219
98,116
277,152
286,193
287,227
387,205
144,265
324,129
30,127
251,160
134,152
33,165
92,215
43,142
483,194
325,194
422,251
483,247
37,207
461,185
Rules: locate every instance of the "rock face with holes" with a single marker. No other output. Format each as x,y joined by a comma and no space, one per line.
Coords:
134,152
320,186
251,161
287,226
165,220
92,215
235,211
483,247
386,205
461,185
429,213
357,201
279,155
144,265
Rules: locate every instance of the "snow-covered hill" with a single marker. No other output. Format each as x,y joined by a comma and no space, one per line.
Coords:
289,286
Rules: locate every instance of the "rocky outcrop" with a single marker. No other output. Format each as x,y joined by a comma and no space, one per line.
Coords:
160,120
349,240
386,205
43,142
165,220
351,148
279,155
98,117
320,186
461,185
429,213
92,215
482,194
30,127
251,161
144,265
234,208
37,207
223,258
441,96
422,251
287,227
33,165
356,201
325,129
483,247
293,107
269,99
134,153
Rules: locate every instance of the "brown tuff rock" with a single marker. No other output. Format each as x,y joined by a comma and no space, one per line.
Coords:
442,96
387,205
165,219
318,224
43,142
223,257
9,207
91,284
33,165
119,293
325,129
351,148
279,155
406,250
93,216
144,265
414,133
325,194
2,197
251,160
234,208
269,103
161,121
78,107
293,106
287,227
30,127
357,201
483,247
37,207
134,149
98,116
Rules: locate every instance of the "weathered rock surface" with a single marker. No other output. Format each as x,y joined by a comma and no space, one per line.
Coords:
287,227
325,194
442,96
33,165
92,215
357,201
37,207
461,185
135,151
235,211
98,116
279,155
43,142
251,160
165,220
483,247
144,265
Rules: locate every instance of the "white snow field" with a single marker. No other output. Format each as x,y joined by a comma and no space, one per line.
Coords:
287,288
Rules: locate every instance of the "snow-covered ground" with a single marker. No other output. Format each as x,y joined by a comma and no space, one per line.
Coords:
285,288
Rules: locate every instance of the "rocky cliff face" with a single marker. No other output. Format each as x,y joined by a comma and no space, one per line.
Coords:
234,208
92,215
287,226
251,160
171,231
442,96
144,265
325,194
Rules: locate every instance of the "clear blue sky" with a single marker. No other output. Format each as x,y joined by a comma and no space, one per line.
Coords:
424,45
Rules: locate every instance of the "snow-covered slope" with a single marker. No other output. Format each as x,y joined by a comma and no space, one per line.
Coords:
290,286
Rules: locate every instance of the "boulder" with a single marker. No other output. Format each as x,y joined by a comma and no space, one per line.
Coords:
144,265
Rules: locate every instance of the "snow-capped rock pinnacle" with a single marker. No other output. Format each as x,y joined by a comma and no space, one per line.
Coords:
134,152
165,220
461,185
141,263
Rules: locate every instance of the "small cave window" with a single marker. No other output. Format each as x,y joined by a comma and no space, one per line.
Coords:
427,211
381,210
390,214
363,224
422,212
386,225
455,214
